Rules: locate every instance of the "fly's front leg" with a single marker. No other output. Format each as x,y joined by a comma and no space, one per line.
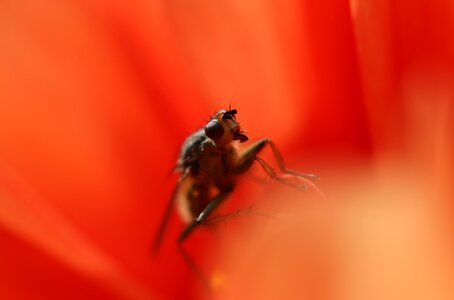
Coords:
250,155
205,213
280,161
270,171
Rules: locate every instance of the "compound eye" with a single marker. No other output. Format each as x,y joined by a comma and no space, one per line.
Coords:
214,130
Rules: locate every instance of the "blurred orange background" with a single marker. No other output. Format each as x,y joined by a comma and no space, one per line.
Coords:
97,96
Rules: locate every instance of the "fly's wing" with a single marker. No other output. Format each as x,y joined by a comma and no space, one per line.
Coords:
191,150
168,210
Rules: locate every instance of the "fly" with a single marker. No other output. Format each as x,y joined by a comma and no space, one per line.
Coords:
209,164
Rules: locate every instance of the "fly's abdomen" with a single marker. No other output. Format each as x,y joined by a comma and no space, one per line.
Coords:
192,199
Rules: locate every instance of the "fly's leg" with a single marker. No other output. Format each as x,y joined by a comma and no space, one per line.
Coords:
165,219
250,156
194,267
280,161
205,213
200,219
270,171
248,211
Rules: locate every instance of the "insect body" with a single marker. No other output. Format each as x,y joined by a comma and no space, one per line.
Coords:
210,164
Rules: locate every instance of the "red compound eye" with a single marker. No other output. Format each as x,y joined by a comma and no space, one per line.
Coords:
214,130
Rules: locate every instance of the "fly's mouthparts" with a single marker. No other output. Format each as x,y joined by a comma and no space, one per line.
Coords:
241,137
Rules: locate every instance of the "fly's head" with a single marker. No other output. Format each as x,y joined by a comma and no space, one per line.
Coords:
223,128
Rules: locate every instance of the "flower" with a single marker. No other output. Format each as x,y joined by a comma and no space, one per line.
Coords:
96,98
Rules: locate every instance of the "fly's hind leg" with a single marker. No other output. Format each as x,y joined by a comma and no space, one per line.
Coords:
200,219
165,218
193,266
247,211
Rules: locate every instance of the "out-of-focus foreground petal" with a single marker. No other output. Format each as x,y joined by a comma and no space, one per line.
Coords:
406,56
386,232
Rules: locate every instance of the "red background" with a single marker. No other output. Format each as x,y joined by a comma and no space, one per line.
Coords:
96,97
